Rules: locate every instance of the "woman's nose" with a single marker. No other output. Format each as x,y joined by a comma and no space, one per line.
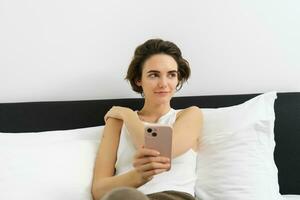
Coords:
163,82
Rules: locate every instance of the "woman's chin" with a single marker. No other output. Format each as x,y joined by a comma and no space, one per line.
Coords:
163,100
160,99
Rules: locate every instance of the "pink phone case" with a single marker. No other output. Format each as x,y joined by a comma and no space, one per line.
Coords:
159,137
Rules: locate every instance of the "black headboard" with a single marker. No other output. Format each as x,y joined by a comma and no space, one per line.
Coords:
42,116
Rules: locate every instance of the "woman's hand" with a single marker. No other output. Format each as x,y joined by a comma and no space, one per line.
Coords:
132,122
148,163
117,112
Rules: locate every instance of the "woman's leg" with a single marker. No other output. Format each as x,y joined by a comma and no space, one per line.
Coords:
170,195
122,193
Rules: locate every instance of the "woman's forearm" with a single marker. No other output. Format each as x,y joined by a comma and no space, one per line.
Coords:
135,127
129,179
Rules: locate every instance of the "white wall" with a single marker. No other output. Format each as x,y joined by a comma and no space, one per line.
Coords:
72,50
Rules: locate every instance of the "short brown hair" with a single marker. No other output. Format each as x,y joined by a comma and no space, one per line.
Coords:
152,47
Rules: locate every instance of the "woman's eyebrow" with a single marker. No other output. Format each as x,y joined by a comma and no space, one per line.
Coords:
156,71
153,71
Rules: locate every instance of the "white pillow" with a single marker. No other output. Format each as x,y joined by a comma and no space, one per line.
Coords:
50,165
90,133
235,159
290,197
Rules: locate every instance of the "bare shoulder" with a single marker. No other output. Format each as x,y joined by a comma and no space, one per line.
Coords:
113,123
190,112
112,131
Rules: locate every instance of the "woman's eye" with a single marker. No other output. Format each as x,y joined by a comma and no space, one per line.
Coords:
153,75
172,75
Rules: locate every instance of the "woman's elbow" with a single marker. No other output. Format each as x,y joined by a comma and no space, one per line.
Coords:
97,190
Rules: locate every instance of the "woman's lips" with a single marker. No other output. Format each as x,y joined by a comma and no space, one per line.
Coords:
162,93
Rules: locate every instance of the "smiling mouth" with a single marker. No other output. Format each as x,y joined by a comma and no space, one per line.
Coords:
161,92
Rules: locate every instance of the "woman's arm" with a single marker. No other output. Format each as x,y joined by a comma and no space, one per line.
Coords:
104,179
186,129
132,122
147,164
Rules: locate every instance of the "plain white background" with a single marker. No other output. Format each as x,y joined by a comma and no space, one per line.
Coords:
74,50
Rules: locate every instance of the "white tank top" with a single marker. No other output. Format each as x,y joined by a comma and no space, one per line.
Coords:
182,175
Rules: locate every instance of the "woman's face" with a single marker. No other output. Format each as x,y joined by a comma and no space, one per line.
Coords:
159,78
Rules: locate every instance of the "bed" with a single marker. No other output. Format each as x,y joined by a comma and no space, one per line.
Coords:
65,115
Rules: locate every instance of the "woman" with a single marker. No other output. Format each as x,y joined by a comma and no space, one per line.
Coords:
156,71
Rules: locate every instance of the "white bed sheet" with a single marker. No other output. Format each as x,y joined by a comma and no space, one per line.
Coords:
290,197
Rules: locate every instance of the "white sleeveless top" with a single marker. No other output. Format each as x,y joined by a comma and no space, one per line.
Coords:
182,175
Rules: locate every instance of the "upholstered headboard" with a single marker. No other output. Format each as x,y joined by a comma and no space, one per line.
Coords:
42,116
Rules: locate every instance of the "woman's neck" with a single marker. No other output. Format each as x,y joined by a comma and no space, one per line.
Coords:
152,112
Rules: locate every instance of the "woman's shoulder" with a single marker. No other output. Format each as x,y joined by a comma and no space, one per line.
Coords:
192,110
114,125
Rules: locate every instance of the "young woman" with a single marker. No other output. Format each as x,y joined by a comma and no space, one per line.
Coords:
124,169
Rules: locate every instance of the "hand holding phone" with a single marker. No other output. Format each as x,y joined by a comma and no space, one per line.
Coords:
159,138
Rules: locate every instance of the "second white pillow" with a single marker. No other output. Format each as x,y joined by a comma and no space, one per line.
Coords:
235,159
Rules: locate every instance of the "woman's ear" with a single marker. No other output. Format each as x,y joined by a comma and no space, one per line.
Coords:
138,83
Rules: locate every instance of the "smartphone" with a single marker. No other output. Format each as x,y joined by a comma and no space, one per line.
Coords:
159,137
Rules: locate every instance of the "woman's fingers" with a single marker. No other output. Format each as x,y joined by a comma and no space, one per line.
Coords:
142,152
148,171
114,112
154,166
148,163
144,156
145,160
107,115
148,175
